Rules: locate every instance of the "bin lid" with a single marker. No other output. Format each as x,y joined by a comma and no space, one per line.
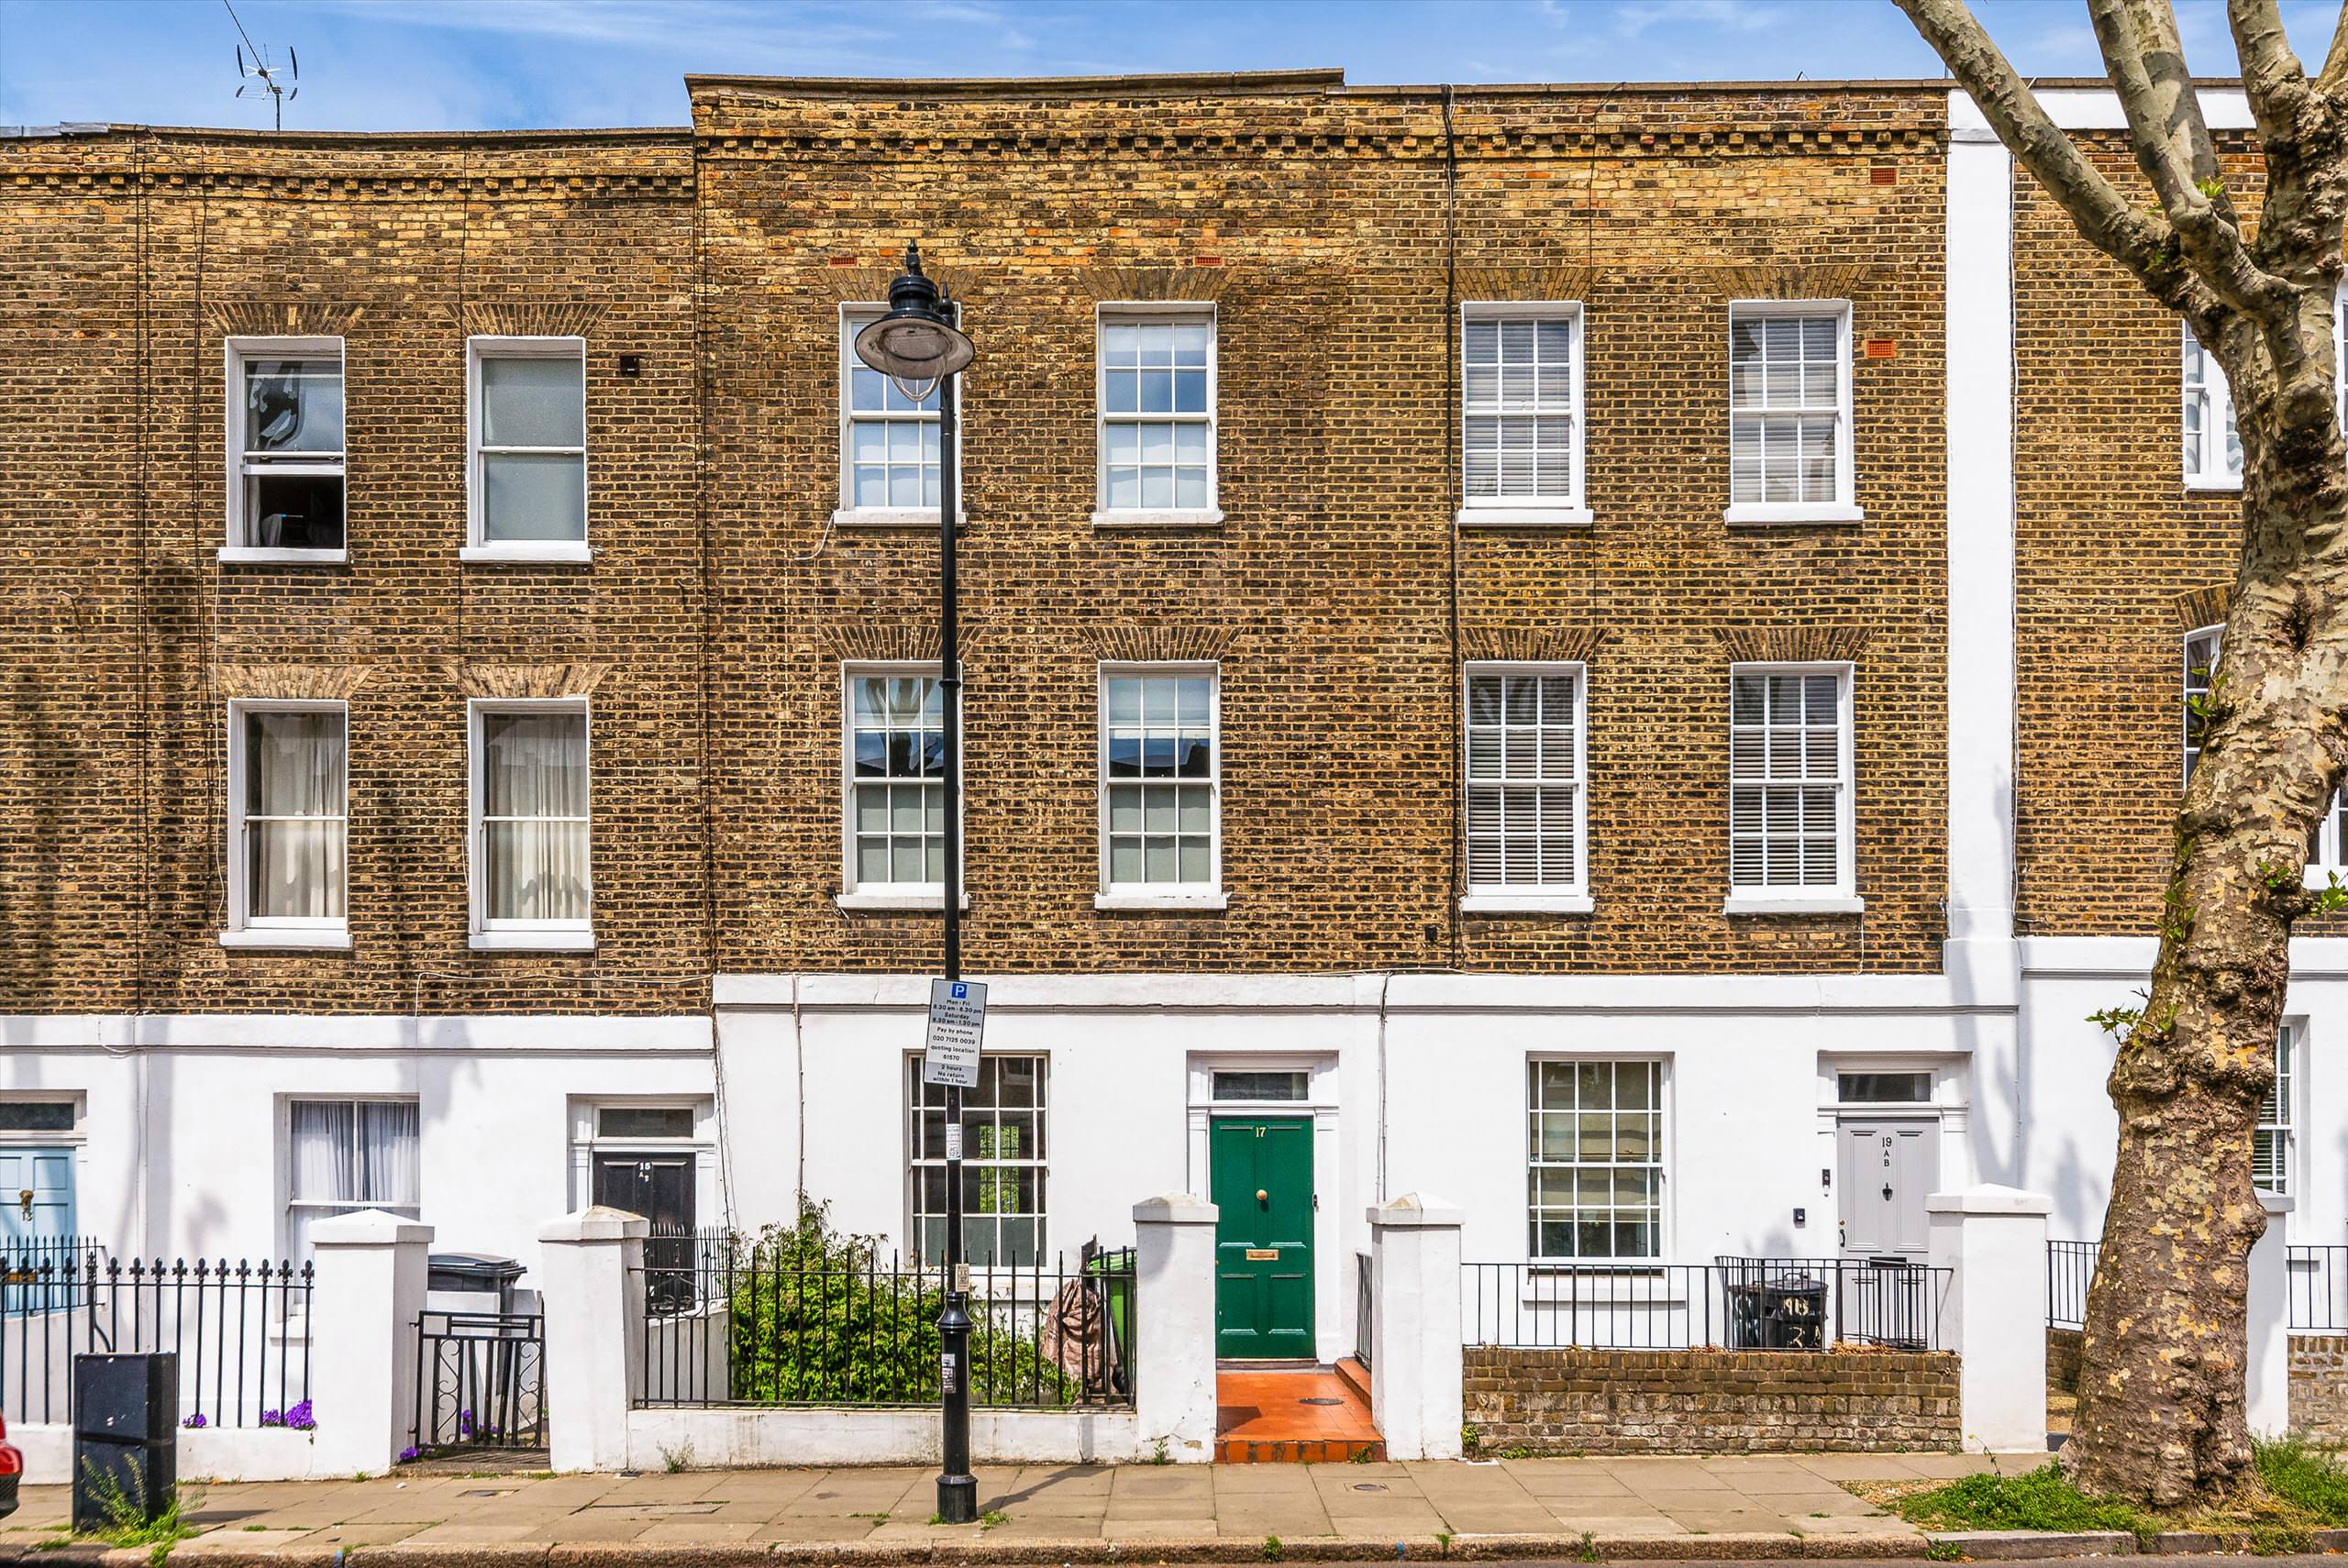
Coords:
478,1268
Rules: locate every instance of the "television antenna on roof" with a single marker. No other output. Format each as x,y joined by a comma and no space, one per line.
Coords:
263,74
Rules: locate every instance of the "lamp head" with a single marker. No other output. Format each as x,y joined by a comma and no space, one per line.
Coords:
915,344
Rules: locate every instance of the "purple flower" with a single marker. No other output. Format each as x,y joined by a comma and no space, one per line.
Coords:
195,1420
299,1418
273,1417
410,1452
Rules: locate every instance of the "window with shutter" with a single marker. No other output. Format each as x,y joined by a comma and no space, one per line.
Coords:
2270,1145
1789,780
1521,434
1525,810
1789,412
2212,447
2329,843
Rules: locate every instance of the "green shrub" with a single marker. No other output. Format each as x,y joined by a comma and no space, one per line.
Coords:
2036,1500
819,1317
2309,1477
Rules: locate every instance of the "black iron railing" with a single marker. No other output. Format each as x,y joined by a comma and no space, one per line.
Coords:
2319,1289
733,1320
1737,1303
240,1330
2070,1269
1365,1308
479,1382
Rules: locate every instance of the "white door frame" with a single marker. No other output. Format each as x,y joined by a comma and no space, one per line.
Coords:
1333,1284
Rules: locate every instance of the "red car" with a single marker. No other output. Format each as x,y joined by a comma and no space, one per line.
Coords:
11,1467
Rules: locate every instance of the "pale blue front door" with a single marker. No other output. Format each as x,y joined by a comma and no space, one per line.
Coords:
36,1194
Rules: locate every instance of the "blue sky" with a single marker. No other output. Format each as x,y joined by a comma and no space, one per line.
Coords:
481,65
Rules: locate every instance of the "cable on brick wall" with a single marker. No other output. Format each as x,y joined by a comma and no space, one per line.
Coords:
1453,915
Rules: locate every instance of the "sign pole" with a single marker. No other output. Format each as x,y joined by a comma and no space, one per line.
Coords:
957,1489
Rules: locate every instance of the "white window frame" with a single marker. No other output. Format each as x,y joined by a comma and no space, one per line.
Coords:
1665,1139
329,1206
1570,511
236,550
1502,898
2206,469
244,929
529,936
1157,895
2289,1099
854,314
1842,896
539,551
1844,508
916,1163
882,896
1152,312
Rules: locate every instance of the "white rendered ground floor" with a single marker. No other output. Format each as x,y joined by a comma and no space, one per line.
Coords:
1596,1119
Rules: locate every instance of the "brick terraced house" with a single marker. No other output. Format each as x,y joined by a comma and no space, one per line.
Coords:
1613,654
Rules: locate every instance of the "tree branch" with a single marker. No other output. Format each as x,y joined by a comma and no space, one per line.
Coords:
2145,246
2272,76
2334,78
2171,142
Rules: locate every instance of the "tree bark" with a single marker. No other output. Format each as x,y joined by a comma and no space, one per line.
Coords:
2161,1417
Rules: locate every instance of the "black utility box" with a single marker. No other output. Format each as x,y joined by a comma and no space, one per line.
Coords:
126,1438
1787,1312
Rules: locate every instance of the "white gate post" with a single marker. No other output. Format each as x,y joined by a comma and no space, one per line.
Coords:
1416,1391
591,1264
1993,1239
1174,1312
366,1293
2266,1393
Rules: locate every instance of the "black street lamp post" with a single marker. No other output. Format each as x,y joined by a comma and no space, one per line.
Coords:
917,346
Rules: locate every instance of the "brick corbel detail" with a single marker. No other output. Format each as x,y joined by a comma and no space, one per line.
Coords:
572,679
1531,645
1791,644
2203,606
1158,644
526,318
315,682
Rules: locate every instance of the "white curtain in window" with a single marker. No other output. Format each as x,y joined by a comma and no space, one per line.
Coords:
351,1154
293,815
534,816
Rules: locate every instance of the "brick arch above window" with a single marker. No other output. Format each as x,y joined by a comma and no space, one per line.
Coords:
527,681
2199,607
1792,644
1816,280
1202,282
291,682
867,643
284,318
1531,645
1158,644
528,318
1505,283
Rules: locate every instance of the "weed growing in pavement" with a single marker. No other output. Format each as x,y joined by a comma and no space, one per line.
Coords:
1272,1549
1588,1552
992,1518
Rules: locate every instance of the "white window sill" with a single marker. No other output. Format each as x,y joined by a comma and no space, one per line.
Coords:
893,517
2226,483
1197,517
1524,517
321,939
550,552
1774,904
1178,903
532,942
1768,512
1526,903
262,555
878,902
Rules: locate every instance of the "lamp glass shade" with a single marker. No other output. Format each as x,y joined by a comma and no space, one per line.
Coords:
914,350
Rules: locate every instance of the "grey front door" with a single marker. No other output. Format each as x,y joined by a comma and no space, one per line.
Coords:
1889,1165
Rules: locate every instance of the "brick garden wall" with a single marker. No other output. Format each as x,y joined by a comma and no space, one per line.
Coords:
2063,1347
2320,1386
1707,1401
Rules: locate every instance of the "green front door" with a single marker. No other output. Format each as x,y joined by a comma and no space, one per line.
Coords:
1262,1176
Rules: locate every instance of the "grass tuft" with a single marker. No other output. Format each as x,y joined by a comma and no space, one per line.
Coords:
2310,1478
2036,1500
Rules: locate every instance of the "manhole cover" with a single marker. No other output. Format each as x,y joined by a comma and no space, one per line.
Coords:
489,1492
1322,1401
657,1510
1370,1485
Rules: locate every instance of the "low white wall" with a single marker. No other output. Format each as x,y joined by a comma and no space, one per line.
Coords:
207,1453
723,1438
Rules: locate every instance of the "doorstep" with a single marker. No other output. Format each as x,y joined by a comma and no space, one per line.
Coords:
1310,1415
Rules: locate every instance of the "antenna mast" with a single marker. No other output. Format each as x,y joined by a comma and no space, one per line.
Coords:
262,74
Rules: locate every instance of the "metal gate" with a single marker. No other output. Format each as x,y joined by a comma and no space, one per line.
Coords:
480,1381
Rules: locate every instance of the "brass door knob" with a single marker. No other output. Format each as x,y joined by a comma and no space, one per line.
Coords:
1261,1195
